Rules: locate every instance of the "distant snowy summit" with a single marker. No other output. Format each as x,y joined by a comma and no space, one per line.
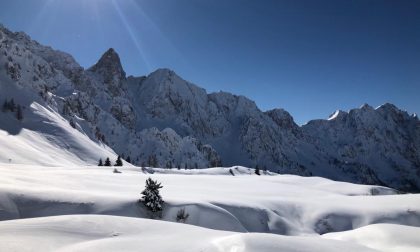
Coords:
161,120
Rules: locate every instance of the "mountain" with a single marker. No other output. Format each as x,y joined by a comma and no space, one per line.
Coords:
163,120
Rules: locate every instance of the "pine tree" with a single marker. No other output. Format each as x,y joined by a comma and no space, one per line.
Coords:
118,162
151,196
100,162
152,161
107,162
5,106
19,114
257,170
12,105
128,159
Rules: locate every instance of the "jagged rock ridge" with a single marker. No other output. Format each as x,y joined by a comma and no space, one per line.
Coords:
163,120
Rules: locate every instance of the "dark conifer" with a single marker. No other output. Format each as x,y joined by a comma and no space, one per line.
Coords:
5,106
12,105
19,113
151,196
107,162
257,170
118,162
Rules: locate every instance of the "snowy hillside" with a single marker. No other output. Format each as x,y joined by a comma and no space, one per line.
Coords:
94,209
161,120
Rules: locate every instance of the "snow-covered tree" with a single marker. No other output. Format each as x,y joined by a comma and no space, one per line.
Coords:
100,162
107,162
118,162
151,196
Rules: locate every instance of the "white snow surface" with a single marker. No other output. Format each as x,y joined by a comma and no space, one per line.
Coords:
46,138
111,233
76,208
383,237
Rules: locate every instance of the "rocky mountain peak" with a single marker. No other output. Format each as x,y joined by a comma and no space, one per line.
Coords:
110,72
337,115
282,118
109,65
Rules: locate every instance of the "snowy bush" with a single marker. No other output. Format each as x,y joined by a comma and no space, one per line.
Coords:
181,215
151,196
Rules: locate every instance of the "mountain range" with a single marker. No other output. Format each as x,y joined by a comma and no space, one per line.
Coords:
76,115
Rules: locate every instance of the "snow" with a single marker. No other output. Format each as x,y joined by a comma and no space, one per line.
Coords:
382,237
45,138
111,233
287,211
54,198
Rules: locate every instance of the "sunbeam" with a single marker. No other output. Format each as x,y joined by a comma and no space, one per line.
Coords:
132,35
157,32
44,13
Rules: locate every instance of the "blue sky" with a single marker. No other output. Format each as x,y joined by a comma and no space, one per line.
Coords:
309,57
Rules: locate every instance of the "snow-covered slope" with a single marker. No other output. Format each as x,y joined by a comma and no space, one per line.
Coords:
162,120
282,204
110,233
244,212
382,237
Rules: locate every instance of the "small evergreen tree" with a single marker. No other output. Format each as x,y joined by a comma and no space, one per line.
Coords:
107,162
118,162
19,113
152,161
151,196
72,124
100,162
257,170
5,106
128,159
12,105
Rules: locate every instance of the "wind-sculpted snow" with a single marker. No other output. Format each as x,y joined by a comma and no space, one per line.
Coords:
77,208
163,120
111,233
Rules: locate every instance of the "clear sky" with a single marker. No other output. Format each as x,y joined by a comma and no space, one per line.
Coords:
309,57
